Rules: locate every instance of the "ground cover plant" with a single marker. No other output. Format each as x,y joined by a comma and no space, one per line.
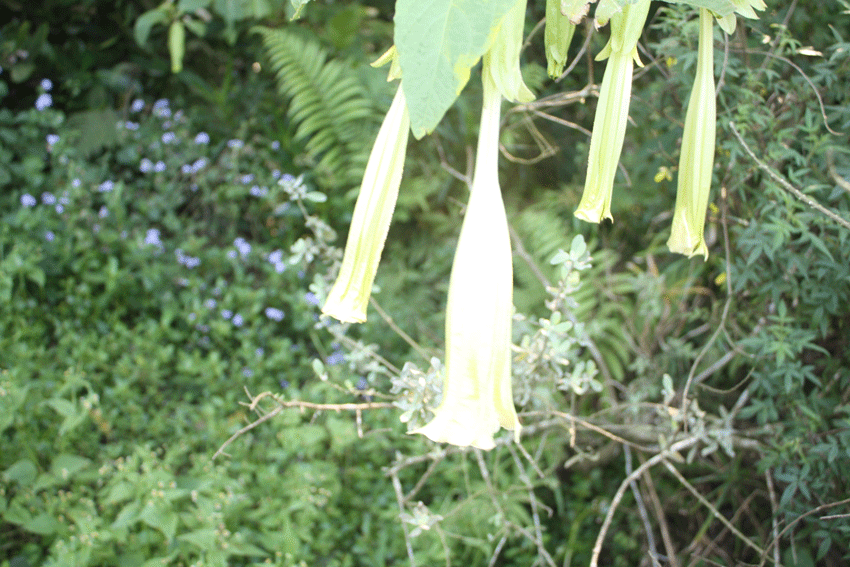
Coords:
170,393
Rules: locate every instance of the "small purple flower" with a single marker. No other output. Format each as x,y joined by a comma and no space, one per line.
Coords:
247,178
146,165
137,106
152,237
362,384
235,144
43,102
28,200
311,298
260,351
284,384
274,313
227,314
64,200
168,137
276,173
48,198
202,138
232,254
276,256
192,316
237,320
210,303
60,209
243,246
159,166
186,169
52,139
192,262
106,186
275,145
247,372
161,108
199,164
258,191
46,85
335,358
103,212
132,126
76,183
49,236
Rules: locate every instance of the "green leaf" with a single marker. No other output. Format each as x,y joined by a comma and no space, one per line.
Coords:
191,6
66,465
23,472
438,43
43,524
142,28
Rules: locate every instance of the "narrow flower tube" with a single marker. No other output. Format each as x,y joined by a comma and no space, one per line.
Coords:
477,396
612,112
370,223
697,155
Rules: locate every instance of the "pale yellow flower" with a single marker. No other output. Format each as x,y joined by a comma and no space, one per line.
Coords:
349,296
612,112
477,396
697,154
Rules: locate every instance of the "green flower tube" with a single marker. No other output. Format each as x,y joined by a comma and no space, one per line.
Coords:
697,156
370,223
612,112
477,396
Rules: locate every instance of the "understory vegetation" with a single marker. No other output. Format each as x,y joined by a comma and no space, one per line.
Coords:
170,394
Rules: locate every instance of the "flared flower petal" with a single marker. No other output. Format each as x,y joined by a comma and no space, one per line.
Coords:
612,112
349,296
697,155
477,395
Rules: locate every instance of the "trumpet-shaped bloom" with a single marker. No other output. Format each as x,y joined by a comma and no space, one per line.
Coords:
349,296
612,112
697,157
477,397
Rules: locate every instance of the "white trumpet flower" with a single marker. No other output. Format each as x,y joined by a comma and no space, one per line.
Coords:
370,223
697,155
477,396
612,111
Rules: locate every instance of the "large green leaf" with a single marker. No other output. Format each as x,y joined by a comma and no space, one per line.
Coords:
438,43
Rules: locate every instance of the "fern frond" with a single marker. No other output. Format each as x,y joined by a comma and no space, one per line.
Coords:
329,107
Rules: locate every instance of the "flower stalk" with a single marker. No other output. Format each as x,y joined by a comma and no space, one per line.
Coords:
612,112
370,223
696,160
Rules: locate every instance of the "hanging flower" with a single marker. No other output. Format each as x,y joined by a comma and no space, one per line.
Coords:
697,156
612,111
477,395
370,222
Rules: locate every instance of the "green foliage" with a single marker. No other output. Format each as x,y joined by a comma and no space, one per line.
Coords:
328,106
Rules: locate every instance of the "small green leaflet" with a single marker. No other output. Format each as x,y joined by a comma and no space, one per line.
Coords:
438,43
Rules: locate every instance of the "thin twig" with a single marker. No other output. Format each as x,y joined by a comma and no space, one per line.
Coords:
793,190
284,404
615,502
644,516
794,523
774,506
399,497
405,337
714,511
672,559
